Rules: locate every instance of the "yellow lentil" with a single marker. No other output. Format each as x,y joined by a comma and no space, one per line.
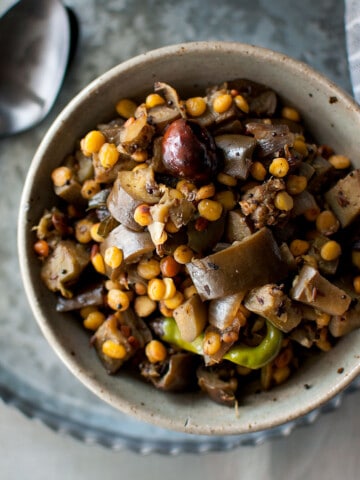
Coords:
290,114
190,291
241,103
211,343
148,268
222,103
340,162
94,233
258,171
283,201
226,198
94,320
175,301
140,156
113,257
126,108
153,100
300,147
98,263
118,299
144,306
61,176
142,215
226,179
279,167
327,223
183,254
113,350
299,247
205,191
331,250
155,351
170,288
90,188
108,155
296,184
195,106
156,289
83,230
356,284
92,142
210,209
84,312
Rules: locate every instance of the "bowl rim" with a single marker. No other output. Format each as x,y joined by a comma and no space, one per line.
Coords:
263,54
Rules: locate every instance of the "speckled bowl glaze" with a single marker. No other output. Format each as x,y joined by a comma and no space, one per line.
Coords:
332,117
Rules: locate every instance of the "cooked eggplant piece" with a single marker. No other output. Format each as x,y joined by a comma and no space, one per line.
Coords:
85,168
162,115
294,127
341,325
258,203
106,225
64,265
303,202
175,374
237,227
178,210
171,96
287,256
311,288
137,134
133,244
191,318
92,296
262,100
306,170
109,175
204,240
326,267
304,334
237,151
217,386
112,129
323,171
232,126
71,193
140,185
270,138
110,330
344,198
250,263
270,302
222,311
121,205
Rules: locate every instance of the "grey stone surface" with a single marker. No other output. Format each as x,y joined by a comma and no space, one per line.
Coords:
112,31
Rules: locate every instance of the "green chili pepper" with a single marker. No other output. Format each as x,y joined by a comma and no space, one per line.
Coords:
250,357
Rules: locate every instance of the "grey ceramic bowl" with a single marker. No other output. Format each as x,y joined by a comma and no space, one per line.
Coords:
333,118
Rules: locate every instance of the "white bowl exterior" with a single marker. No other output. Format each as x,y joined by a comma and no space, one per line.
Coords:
330,115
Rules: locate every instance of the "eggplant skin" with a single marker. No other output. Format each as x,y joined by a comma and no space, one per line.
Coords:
253,262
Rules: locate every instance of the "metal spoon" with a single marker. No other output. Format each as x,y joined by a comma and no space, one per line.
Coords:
35,42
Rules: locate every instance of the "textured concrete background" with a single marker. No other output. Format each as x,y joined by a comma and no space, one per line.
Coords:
112,31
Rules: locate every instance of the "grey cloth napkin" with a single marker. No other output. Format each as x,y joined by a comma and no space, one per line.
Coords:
352,29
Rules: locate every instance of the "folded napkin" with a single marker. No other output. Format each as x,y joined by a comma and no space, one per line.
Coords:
352,29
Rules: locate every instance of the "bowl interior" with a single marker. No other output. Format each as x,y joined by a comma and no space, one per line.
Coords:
329,114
